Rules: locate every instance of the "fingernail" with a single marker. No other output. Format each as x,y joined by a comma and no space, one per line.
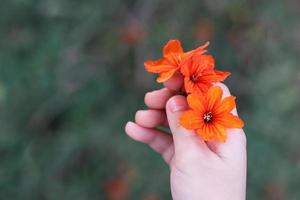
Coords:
176,105
128,124
140,112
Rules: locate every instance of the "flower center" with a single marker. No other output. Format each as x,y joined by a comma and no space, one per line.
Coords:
207,117
194,78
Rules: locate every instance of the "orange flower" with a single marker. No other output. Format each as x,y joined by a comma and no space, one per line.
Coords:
199,73
173,58
209,115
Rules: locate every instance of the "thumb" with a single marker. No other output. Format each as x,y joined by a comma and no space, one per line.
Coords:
184,139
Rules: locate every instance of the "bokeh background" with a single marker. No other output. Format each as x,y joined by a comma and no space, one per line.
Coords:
71,75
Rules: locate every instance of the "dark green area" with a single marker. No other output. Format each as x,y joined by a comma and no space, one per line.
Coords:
71,75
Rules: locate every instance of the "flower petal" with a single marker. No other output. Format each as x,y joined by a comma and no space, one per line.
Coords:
222,73
230,121
203,62
212,131
165,76
202,87
173,46
196,102
226,105
214,96
214,76
201,48
162,67
206,132
186,68
198,51
191,87
158,66
221,132
191,120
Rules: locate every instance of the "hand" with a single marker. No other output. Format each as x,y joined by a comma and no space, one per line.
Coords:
199,169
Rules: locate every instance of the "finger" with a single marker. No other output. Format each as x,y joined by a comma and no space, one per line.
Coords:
158,98
157,140
151,118
235,145
175,83
183,139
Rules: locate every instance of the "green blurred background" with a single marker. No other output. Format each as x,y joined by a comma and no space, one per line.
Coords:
72,74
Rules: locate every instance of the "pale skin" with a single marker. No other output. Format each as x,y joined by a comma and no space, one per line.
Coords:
198,169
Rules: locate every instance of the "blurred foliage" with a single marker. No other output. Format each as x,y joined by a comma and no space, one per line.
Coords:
71,75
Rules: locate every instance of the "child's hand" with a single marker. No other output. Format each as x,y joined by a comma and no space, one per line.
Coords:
199,170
